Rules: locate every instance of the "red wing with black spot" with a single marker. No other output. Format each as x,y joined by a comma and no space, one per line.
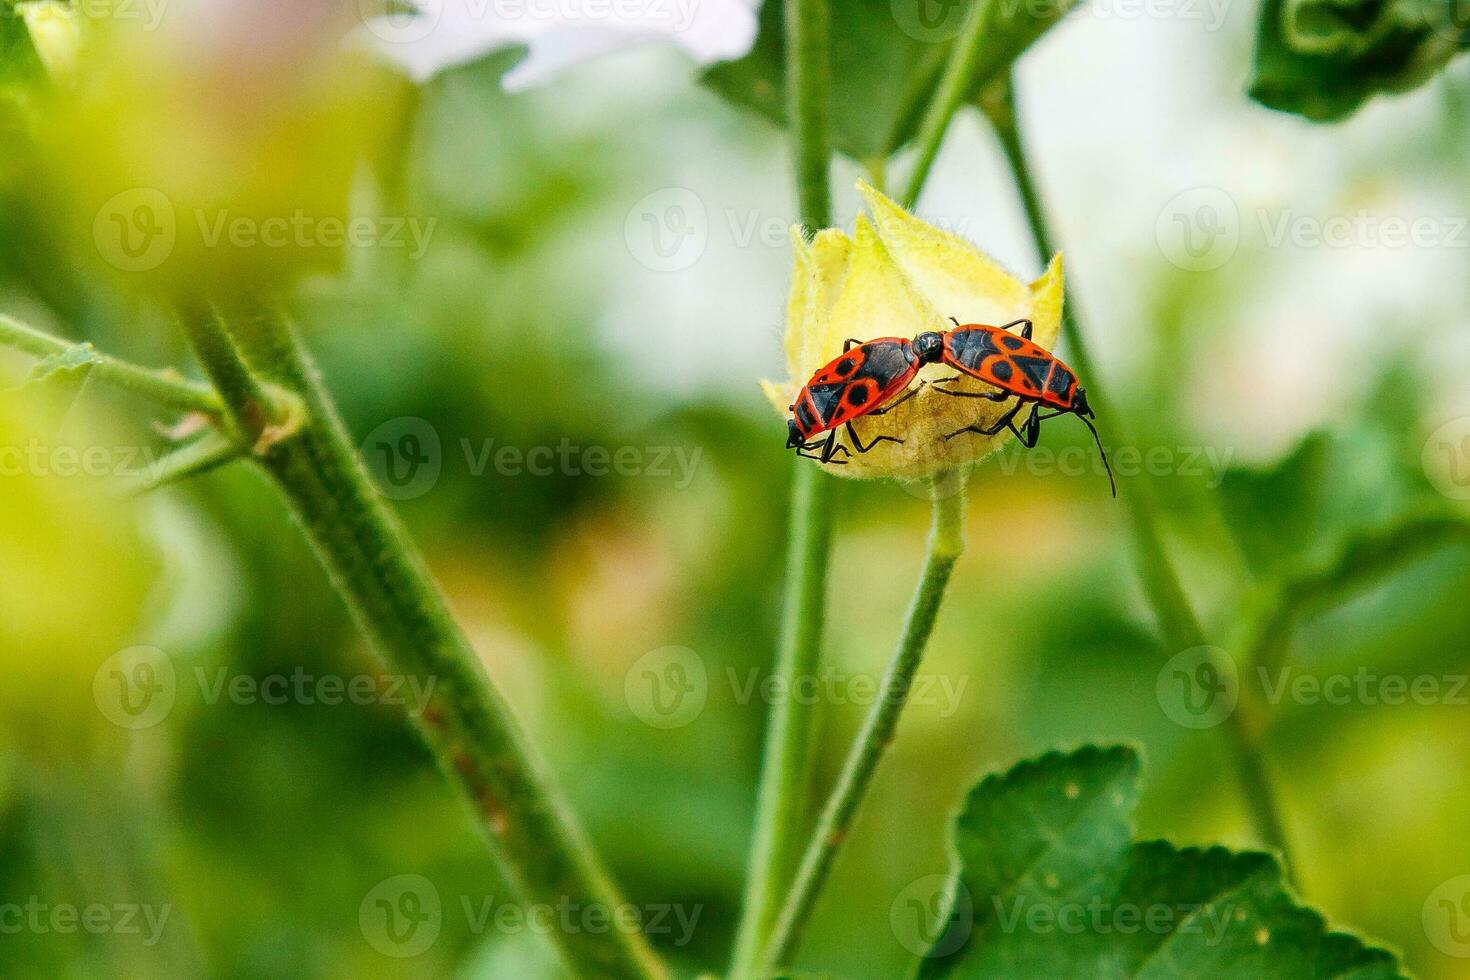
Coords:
1011,363
855,383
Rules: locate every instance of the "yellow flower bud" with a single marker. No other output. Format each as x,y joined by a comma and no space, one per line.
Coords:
899,276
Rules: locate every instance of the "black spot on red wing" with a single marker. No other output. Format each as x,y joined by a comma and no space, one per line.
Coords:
1014,343
1061,383
846,366
885,361
1034,370
857,395
967,349
825,398
804,417
1001,369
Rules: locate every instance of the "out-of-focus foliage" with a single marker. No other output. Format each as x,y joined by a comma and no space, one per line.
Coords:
263,828
1322,59
210,154
887,56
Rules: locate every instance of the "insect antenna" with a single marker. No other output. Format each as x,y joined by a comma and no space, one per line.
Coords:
1101,452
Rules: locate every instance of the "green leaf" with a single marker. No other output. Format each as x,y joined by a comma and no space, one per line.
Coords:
887,56
18,61
1296,513
1322,59
881,73
65,370
1048,885
1010,27
1274,512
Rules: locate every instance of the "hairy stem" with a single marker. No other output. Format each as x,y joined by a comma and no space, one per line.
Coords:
1177,620
946,543
808,95
164,387
781,799
467,724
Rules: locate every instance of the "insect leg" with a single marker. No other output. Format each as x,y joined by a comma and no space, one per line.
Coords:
849,344
858,445
829,447
1032,427
1025,330
994,396
1003,422
892,405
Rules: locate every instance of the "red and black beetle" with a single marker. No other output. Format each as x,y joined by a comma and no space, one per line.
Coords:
864,379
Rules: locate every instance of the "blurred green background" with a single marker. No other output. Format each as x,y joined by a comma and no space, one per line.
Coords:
1298,396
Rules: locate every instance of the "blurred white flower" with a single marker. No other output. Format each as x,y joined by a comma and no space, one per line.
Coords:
558,33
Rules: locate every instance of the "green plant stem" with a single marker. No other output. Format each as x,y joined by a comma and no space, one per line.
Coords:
808,106
164,387
1178,623
786,764
248,407
466,724
206,453
783,795
946,543
954,86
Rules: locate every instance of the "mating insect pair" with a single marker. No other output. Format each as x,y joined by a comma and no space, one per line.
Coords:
867,376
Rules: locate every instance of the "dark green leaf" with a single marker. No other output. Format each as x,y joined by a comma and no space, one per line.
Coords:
887,56
1322,59
882,70
1010,27
1048,885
